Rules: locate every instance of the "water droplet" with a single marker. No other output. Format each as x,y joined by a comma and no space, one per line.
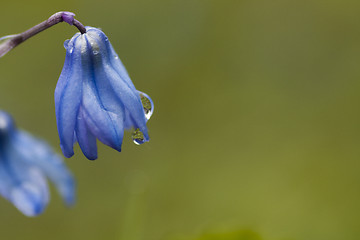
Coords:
94,46
147,105
138,137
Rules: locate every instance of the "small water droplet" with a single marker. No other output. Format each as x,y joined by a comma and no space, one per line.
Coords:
138,137
116,57
147,105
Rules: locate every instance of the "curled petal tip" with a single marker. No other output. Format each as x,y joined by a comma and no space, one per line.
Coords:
67,190
29,200
67,154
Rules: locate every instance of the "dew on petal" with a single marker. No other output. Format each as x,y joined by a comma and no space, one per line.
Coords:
147,105
138,137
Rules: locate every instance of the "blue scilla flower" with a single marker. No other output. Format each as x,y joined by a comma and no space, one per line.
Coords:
95,98
25,162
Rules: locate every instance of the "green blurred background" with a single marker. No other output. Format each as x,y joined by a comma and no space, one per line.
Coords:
256,124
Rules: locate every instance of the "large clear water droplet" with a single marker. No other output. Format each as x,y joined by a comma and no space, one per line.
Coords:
138,137
148,105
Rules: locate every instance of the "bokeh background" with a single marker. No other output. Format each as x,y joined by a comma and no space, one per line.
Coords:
256,125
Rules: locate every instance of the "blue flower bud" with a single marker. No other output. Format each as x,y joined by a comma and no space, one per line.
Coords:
95,97
25,163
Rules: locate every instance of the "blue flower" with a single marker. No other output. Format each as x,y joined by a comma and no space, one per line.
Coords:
25,162
95,98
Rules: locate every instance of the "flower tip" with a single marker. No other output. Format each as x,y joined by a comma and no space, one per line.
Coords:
70,200
67,189
68,17
91,158
67,153
28,202
90,154
117,148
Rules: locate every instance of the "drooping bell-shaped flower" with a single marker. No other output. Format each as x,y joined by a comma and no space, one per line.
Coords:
95,98
25,163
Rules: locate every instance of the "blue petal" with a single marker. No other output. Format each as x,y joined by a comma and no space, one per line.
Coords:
32,195
103,113
25,186
128,122
86,140
130,99
37,153
100,79
65,73
105,125
111,55
125,94
68,95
